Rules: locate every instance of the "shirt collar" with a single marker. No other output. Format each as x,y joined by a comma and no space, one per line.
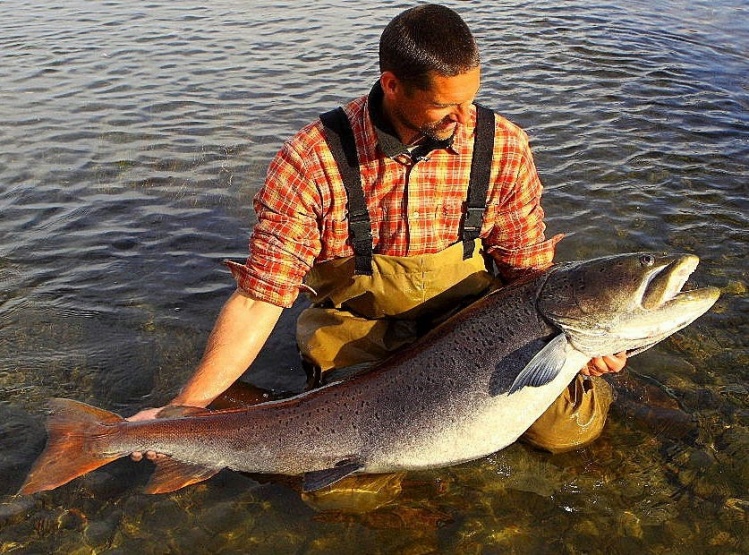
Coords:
388,140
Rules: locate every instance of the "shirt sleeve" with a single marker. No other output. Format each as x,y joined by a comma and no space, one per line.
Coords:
514,222
286,239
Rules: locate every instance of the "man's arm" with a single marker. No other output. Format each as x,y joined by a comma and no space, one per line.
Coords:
240,331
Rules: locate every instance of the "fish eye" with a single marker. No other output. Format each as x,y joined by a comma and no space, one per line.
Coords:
647,260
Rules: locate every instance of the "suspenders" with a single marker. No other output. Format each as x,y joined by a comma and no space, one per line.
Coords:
478,184
340,138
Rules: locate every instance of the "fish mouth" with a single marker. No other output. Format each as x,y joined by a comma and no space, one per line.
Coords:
666,283
667,291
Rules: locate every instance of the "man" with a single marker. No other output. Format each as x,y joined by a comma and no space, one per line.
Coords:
382,240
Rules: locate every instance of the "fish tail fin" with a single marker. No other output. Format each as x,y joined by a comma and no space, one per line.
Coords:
74,429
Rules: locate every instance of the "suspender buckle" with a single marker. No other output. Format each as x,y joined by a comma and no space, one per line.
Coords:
474,219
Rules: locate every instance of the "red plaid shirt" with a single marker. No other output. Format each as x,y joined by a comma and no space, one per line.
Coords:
414,208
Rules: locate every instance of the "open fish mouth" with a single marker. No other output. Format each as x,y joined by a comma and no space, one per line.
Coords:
666,283
690,285
669,289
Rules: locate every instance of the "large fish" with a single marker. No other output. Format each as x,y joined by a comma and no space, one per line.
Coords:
469,388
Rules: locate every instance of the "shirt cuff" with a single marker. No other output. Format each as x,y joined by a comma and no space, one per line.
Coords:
513,263
273,293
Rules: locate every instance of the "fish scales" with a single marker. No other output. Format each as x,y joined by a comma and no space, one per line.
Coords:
469,388
417,404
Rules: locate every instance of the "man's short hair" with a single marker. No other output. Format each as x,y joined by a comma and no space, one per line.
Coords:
427,39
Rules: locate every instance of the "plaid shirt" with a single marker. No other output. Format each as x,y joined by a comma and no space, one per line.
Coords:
414,208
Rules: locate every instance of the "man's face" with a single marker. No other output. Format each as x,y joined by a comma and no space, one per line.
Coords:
434,112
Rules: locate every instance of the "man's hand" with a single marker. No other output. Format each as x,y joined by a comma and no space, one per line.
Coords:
145,414
605,365
240,331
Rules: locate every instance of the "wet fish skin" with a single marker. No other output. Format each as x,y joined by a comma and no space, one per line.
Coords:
469,388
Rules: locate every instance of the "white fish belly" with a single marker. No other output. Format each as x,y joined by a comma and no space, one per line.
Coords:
483,426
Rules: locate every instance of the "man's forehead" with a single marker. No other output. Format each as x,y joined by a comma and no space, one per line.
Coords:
456,89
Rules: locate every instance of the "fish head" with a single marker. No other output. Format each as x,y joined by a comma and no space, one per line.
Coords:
623,303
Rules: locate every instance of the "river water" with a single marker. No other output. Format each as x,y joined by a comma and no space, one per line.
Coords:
134,136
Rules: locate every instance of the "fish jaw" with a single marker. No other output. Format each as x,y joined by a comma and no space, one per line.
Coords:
653,326
644,304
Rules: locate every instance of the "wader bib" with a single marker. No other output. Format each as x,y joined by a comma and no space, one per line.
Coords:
367,306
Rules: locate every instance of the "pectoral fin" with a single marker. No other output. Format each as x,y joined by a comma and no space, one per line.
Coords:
171,475
544,366
319,479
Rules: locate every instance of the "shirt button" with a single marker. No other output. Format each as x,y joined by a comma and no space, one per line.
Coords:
415,214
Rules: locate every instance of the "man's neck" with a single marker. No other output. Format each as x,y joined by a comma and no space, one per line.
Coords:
406,135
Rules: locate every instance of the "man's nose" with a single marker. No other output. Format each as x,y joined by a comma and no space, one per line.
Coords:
460,114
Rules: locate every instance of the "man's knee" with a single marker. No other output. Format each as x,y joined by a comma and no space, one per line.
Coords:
575,419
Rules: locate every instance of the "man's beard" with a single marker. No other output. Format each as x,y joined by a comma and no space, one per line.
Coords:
437,131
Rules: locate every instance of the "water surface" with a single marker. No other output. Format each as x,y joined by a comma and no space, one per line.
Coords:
134,137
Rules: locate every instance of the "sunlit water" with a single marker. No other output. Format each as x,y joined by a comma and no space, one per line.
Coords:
133,138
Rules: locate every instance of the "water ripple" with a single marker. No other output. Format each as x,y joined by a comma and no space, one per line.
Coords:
135,135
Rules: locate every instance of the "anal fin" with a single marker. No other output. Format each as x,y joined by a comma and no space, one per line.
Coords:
319,479
171,475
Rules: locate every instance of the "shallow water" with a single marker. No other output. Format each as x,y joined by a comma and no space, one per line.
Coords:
134,137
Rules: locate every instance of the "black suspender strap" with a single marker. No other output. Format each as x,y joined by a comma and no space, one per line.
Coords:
340,138
478,185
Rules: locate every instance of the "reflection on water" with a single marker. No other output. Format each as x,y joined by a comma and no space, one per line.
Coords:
133,140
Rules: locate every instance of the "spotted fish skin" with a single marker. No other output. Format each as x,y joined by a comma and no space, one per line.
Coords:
469,388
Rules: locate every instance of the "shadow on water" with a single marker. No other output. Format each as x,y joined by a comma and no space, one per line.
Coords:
134,140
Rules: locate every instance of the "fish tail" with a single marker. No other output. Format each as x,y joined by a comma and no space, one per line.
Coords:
76,432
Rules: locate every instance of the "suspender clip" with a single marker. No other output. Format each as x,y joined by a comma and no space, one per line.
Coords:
474,219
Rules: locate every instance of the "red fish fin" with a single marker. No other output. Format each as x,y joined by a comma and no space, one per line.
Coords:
69,452
171,475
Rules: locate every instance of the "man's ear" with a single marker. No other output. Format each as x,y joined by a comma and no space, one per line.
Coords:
389,83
